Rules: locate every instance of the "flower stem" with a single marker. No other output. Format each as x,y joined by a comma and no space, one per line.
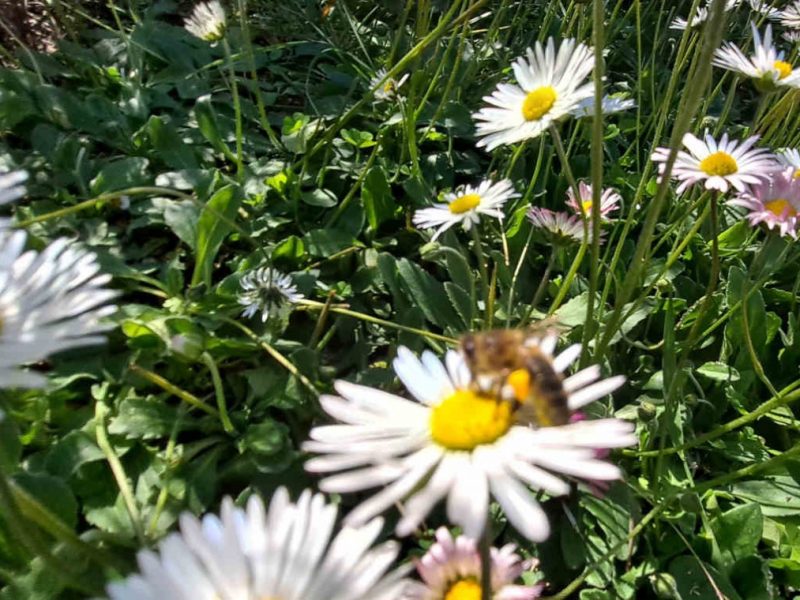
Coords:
485,552
173,389
237,110
219,392
482,268
537,295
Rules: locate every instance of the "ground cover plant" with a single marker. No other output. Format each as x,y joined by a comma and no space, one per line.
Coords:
429,300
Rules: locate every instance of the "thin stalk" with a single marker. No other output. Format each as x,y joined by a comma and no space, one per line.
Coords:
476,238
537,295
237,110
219,392
515,276
598,18
118,470
485,552
173,389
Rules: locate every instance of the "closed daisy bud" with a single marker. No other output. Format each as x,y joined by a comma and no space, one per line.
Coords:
207,21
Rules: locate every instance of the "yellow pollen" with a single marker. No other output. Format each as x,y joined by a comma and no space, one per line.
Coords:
720,164
784,69
520,382
465,420
464,203
779,207
538,103
464,589
587,206
388,87
797,174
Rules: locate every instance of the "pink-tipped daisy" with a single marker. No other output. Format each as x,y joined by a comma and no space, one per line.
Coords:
609,201
774,202
451,570
558,226
720,165
455,443
790,158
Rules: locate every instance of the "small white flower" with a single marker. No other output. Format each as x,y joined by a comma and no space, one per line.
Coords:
766,8
253,554
560,227
790,16
389,88
207,21
50,301
610,105
793,37
452,442
609,201
12,186
766,65
550,85
701,15
466,207
265,289
775,203
451,569
790,158
719,164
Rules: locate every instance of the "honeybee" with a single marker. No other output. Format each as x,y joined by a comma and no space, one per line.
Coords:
509,365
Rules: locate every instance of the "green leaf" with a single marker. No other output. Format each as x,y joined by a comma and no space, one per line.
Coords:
212,227
53,493
777,495
427,293
168,144
737,533
143,418
461,302
182,216
377,197
320,197
324,242
121,174
291,250
718,371
71,452
694,578
209,127
10,446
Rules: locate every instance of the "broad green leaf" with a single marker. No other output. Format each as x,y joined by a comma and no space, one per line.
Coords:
376,195
325,242
121,174
718,371
427,293
209,127
697,581
737,533
212,228
143,418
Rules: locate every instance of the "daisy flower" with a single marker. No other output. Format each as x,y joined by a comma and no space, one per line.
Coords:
12,186
790,16
560,227
609,201
50,301
610,105
451,568
766,65
550,84
775,203
466,207
765,7
719,164
452,442
701,15
264,290
387,90
207,21
283,553
790,158
793,37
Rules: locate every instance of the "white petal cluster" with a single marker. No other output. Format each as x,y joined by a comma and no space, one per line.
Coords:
50,301
254,554
207,21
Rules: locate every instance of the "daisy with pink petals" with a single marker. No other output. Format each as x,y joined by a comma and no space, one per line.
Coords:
609,201
775,203
719,165
452,569
560,227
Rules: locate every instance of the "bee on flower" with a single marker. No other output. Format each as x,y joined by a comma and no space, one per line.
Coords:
766,66
456,442
774,203
264,290
386,88
466,206
551,83
287,550
207,21
451,569
719,165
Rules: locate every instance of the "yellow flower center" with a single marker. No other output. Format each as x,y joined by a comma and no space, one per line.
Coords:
464,589
720,164
388,87
465,420
538,103
797,174
784,69
779,207
464,203
587,206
